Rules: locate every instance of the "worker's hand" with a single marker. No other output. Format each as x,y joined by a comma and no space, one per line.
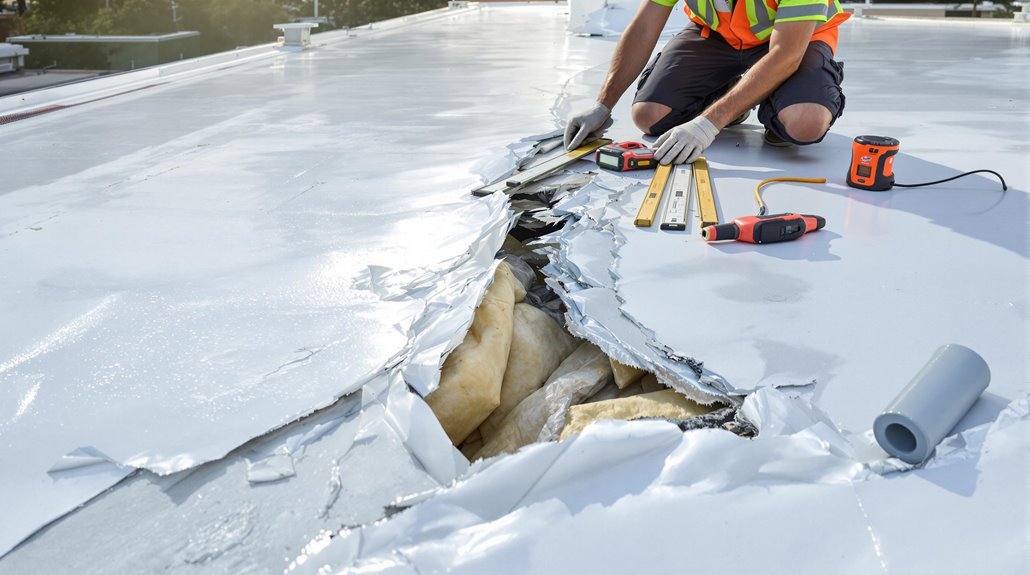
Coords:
685,142
588,125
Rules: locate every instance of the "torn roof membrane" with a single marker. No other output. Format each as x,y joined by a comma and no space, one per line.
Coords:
845,309
349,462
733,502
154,273
187,276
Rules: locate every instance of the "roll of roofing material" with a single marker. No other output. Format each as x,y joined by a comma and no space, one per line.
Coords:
932,403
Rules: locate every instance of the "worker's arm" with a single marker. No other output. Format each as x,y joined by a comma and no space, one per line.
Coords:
686,142
633,50
631,55
786,49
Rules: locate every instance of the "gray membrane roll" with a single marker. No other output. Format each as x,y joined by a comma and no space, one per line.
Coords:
932,403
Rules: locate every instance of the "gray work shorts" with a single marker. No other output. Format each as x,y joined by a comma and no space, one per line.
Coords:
692,72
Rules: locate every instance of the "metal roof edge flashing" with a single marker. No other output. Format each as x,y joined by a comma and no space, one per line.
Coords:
1016,26
94,38
858,15
114,84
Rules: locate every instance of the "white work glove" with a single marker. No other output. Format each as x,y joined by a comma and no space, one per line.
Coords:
589,124
685,142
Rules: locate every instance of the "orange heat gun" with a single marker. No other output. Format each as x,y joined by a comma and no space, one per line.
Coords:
764,229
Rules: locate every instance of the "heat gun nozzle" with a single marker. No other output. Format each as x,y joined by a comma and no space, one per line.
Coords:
720,232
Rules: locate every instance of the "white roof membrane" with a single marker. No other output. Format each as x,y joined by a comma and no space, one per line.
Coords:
853,311
193,264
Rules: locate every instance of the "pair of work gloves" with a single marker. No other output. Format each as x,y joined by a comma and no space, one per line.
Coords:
680,145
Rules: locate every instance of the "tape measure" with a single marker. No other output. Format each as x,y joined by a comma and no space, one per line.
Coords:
625,156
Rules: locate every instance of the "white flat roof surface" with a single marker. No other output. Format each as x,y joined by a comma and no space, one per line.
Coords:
860,306
192,261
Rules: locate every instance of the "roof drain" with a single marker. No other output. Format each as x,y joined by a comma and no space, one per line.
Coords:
296,36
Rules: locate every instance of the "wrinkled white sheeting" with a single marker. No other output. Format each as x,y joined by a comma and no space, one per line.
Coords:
210,260
349,462
544,509
181,417
582,274
610,17
439,330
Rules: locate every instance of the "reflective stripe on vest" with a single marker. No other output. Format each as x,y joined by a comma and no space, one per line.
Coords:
807,10
832,9
759,15
705,11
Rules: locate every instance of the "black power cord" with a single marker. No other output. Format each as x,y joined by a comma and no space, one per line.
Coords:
1004,186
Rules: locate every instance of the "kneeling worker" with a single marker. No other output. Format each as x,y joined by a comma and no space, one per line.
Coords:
734,55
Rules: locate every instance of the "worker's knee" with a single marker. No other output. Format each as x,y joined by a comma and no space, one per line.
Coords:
805,123
647,114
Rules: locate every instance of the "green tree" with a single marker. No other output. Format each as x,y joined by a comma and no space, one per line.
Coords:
226,24
223,24
358,12
61,16
135,17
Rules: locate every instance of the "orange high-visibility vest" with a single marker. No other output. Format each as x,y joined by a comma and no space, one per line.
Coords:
749,23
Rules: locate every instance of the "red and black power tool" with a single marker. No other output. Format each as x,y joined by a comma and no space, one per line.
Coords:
625,156
764,229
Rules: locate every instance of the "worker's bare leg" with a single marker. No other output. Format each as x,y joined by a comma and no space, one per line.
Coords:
806,122
647,114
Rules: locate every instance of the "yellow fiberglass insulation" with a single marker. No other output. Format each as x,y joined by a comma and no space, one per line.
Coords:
577,378
667,403
626,374
470,380
538,346
473,443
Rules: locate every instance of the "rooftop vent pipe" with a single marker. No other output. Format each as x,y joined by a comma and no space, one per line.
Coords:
296,36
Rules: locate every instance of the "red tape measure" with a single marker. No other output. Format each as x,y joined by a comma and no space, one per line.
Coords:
625,156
